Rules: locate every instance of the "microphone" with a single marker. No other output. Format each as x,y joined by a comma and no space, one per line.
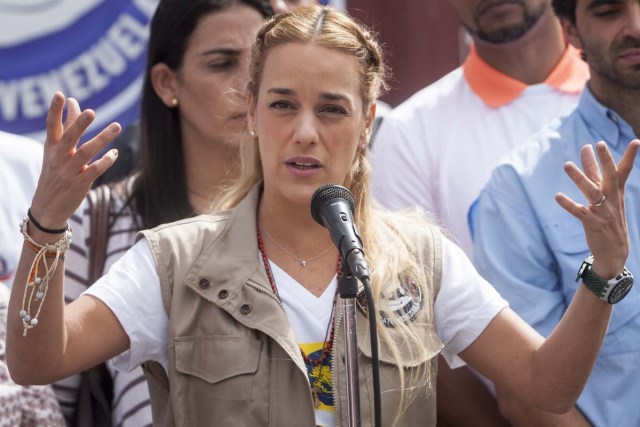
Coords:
332,206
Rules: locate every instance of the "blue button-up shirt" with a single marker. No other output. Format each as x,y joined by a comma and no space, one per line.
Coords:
530,249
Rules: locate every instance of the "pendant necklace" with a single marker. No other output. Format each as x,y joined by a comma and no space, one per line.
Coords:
302,262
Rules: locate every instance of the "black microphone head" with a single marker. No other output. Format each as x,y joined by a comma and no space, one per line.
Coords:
327,192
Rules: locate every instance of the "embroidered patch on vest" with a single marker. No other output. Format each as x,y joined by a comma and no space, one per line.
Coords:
406,302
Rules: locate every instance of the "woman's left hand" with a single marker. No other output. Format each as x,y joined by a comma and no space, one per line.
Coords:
603,218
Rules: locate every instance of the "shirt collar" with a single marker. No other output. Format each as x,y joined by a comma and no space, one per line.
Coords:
497,89
603,121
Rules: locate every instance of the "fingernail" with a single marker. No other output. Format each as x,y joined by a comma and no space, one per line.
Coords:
114,153
114,128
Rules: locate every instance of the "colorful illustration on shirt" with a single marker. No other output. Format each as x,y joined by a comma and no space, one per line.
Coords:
319,376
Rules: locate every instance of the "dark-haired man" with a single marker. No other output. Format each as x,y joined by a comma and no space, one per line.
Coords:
522,244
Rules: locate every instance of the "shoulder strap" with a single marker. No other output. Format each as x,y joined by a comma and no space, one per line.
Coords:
99,203
95,393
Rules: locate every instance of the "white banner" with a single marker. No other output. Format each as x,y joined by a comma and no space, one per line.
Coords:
91,50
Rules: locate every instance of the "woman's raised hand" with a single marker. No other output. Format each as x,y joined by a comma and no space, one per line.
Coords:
67,175
603,218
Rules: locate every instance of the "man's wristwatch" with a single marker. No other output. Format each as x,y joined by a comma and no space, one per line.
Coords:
611,291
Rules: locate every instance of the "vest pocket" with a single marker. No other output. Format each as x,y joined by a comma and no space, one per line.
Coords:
215,377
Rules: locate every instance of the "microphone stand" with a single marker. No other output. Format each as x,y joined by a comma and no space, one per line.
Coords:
348,290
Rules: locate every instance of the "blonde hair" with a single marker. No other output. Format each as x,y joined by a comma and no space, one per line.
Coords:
390,239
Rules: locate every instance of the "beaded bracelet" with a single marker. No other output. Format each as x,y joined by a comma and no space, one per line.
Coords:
45,229
35,248
37,285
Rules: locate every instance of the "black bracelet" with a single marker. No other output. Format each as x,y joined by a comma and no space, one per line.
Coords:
44,229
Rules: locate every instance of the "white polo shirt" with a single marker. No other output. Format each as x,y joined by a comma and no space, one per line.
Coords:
20,164
437,149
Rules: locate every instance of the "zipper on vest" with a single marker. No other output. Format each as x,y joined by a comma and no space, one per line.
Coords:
262,289
338,311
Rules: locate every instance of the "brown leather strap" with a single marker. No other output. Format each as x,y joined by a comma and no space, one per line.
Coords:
99,202
95,394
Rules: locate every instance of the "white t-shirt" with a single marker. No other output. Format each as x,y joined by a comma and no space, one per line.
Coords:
437,149
20,164
463,308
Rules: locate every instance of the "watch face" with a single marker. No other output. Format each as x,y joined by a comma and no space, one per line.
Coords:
621,290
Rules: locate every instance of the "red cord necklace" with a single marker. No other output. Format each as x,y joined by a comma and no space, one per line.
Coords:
328,343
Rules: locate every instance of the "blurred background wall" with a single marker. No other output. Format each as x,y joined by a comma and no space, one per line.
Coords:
422,40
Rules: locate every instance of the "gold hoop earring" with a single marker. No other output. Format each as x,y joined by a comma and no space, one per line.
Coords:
174,102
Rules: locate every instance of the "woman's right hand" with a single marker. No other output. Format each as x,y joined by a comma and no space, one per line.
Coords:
66,175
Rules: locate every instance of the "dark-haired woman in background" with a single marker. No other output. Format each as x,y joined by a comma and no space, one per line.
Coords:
192,109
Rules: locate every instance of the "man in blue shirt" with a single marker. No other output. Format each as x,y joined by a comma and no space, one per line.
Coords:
528,247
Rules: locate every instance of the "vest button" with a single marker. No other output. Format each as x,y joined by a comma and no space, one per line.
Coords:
223,294
204,283
245,309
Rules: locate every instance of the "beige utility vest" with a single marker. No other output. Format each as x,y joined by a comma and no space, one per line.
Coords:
233,358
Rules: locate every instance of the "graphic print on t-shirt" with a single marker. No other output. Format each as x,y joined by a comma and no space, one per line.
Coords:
319,376
311,319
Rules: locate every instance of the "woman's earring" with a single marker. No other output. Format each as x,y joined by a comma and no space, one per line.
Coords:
174,102
252,133
363,146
